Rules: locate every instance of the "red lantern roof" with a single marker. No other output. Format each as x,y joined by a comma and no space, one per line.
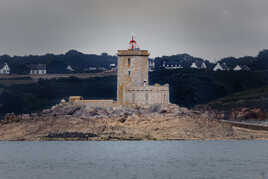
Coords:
132,43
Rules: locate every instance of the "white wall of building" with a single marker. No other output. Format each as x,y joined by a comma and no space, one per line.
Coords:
5,69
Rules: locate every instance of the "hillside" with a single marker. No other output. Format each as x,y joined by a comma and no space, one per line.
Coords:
259,62
32,95
58,63
254,98
191,87
246,105
187,88
82,63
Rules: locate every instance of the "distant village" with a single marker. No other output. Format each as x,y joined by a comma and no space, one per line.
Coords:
77,62
203,66
41,69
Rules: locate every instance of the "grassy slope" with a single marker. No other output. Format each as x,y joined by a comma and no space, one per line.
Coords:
254,98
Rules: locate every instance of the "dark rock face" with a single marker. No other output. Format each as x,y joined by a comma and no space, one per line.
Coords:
244,114
249,105
76,135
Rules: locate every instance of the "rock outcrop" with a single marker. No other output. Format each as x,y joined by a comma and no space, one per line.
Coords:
244,114
67,121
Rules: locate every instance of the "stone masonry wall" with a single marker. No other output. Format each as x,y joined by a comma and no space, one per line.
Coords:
132,70
147,95
96,103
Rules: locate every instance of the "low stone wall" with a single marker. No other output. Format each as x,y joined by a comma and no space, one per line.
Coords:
96,103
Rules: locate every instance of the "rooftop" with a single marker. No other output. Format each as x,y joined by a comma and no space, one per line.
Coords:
2,65
134,52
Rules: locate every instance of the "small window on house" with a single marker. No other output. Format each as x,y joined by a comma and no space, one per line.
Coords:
129,73
129,62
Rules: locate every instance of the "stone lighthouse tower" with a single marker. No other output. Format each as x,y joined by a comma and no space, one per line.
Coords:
132,79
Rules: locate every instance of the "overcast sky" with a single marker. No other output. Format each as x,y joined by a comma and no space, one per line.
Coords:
211,29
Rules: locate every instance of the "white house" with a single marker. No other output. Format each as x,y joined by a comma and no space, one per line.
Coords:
164,64
4,69
237,68
151,65
112,65
180,67
194,65
218,67
203,66
69,67
39,69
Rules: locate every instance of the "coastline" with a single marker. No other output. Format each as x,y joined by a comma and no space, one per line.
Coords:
72,122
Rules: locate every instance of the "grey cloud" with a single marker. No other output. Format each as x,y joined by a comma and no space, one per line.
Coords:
207,28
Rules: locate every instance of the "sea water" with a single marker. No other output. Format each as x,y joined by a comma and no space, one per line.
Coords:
134,159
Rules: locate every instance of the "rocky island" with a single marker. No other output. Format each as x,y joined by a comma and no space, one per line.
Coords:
67,121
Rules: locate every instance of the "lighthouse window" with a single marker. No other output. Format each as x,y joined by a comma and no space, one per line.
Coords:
129,62
146,98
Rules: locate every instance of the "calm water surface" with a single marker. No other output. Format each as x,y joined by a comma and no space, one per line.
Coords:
150,160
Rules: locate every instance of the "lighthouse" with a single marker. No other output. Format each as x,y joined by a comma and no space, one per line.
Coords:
132,78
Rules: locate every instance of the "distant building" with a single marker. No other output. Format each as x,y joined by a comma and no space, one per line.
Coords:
170,65
113,68
151,64
174,67
218,67
180,67
69,67
203,66
39,69
4,69
237,68
112,65
194,65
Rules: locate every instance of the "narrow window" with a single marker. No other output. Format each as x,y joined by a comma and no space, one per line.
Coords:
129,62
146,98
144,83
129,72
133,98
